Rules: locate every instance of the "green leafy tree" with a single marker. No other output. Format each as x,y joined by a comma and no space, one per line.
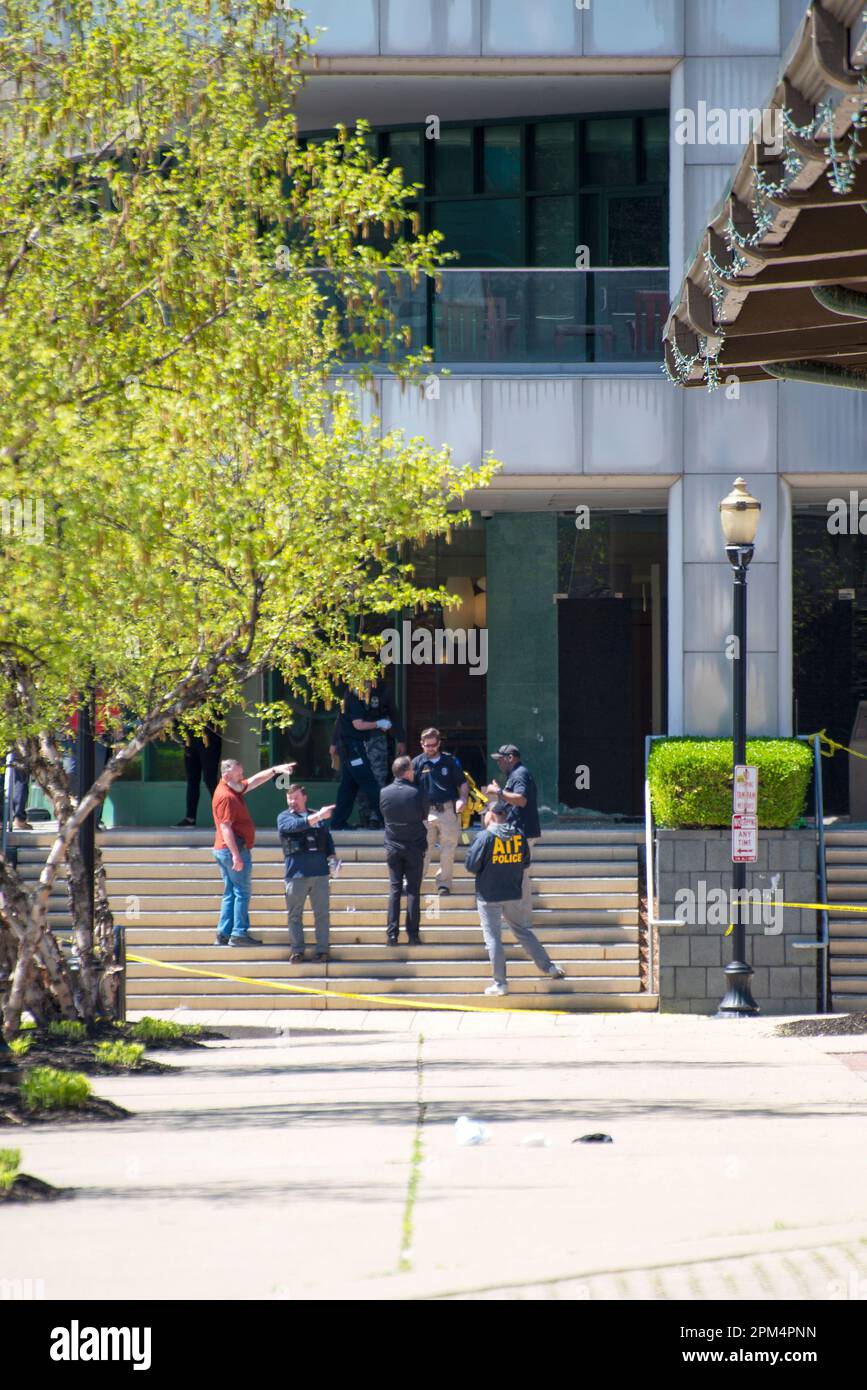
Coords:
193,489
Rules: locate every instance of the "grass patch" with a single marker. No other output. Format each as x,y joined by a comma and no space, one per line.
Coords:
45,1088
152,1030
69,1029
19,1047
416,1157
10,1162
119,1054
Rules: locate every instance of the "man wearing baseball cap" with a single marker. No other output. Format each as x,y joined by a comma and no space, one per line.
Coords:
520,794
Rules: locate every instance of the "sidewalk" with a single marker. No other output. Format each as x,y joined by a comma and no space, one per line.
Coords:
322,1163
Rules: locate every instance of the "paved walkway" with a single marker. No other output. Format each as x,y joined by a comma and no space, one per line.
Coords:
321,1162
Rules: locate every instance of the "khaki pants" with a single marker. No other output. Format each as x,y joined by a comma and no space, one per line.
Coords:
444,829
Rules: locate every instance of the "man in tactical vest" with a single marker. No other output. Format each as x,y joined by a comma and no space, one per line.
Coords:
308,850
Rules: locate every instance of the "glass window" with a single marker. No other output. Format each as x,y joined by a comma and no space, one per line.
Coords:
484,231
553,162
554,238
655,149
609,151
168,762
405,152
502,163
636,231
453,161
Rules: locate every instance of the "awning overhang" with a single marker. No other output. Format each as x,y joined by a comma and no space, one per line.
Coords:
773,288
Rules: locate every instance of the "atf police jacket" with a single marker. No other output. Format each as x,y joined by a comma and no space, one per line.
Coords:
498,858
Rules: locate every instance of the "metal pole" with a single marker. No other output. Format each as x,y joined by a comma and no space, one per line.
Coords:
738,1001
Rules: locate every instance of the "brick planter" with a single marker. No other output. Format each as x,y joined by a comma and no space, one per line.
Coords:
692,956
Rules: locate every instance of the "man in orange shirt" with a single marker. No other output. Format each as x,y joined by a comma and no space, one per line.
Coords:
233,848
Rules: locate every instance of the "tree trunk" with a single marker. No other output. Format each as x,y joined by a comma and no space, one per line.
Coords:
79,892
111,968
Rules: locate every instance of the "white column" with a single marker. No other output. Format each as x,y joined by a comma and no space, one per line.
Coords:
675,608
784,610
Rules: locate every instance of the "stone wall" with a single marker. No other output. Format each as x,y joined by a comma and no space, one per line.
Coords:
692,957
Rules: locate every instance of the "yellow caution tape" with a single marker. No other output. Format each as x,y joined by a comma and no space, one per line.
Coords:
389,999
821,907
833,745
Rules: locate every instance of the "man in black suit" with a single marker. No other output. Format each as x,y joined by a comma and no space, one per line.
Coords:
404,808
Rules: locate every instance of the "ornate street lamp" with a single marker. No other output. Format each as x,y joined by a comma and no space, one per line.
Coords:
739,515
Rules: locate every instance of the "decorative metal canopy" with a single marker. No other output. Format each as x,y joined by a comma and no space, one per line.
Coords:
778,285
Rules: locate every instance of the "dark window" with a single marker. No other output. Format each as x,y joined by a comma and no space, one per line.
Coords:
484,231
554,239
655,149
405,152
636,229
609,151
502,164
553,159
453,161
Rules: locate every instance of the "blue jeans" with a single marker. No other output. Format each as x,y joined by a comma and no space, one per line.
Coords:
237,887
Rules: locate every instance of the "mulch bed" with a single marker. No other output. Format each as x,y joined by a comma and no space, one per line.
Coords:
840,1026
28,1189
14,1112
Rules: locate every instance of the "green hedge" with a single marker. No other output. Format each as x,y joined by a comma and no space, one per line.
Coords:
691,781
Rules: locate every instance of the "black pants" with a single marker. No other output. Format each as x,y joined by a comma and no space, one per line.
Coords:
201,761
405,862
353,780
20,789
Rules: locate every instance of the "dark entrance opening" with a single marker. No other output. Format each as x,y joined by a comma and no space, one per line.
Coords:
612,645
829,603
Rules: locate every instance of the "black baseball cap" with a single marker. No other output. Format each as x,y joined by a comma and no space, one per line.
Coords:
507,750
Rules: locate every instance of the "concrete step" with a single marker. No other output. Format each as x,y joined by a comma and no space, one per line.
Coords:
847,873
169,836
851,987
621,940
156,1002
262,964
532,983
202,916
576,903
847,891
847,965
849,946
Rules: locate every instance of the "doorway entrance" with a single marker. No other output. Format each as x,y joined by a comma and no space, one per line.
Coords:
829,615
612,646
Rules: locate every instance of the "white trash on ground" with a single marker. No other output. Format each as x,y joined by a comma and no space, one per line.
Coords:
469,1131
536,1141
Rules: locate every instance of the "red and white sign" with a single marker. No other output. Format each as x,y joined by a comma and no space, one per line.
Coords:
746,790
745,839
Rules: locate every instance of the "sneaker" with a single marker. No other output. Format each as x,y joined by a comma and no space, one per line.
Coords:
245,940
443,891
321,957
414,940
376,823
296,958
220,939
20,824
556,973
185,822
497,989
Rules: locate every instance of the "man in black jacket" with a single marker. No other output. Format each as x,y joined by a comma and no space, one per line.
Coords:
499,857
404,808
308,851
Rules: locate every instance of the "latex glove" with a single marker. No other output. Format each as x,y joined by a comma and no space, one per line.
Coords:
383,724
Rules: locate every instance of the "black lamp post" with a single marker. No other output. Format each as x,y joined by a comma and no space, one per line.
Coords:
739,515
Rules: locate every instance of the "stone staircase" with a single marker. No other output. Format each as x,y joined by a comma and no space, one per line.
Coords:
165,889
846,865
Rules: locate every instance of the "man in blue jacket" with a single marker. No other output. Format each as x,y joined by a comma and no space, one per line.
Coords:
498,857
307,849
